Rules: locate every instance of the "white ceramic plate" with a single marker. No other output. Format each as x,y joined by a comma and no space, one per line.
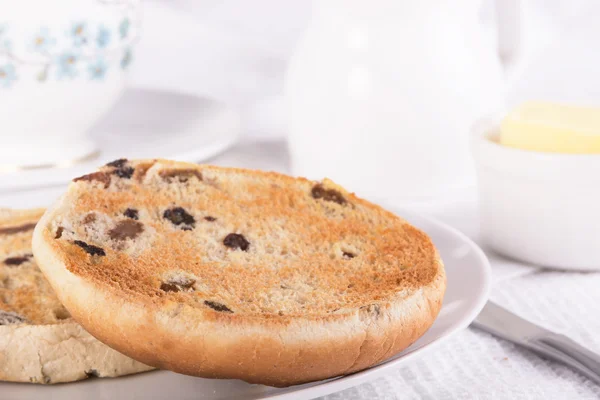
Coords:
469,278
145,124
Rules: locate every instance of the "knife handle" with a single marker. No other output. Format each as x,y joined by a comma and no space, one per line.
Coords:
563,349
585,356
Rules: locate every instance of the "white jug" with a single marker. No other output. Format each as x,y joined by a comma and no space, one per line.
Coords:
381,96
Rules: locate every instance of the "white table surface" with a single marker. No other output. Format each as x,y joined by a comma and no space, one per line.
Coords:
473,364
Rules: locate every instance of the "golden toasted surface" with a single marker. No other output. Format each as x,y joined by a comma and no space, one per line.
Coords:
235,241
26,297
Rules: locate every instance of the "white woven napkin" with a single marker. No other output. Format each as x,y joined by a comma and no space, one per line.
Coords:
476,365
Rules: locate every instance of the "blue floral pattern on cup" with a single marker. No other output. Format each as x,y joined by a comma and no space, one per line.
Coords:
43,41
67,65
5,44
124,28
7,75
79,34
126,60
103,37
97,69
82,50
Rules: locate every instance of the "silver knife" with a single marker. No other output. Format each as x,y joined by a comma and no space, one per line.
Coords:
502,323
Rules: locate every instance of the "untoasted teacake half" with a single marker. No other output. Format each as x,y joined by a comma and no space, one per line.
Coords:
39,341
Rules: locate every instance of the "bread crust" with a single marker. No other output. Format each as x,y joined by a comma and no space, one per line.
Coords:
44,350
267,349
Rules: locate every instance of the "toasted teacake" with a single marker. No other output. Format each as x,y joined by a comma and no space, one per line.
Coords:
231,273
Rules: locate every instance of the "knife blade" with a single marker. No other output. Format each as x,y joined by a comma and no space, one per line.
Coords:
500,322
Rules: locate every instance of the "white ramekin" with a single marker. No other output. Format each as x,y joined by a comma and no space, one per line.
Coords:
541,208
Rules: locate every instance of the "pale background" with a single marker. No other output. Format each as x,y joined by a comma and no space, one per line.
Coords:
237,51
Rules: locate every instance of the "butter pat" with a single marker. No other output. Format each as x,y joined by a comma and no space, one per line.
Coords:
555,128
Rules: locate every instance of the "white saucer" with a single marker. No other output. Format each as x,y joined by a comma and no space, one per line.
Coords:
469,280
144,124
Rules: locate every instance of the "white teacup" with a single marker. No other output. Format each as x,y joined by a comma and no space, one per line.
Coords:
63,64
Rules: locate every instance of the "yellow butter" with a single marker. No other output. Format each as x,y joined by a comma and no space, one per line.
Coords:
549,127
